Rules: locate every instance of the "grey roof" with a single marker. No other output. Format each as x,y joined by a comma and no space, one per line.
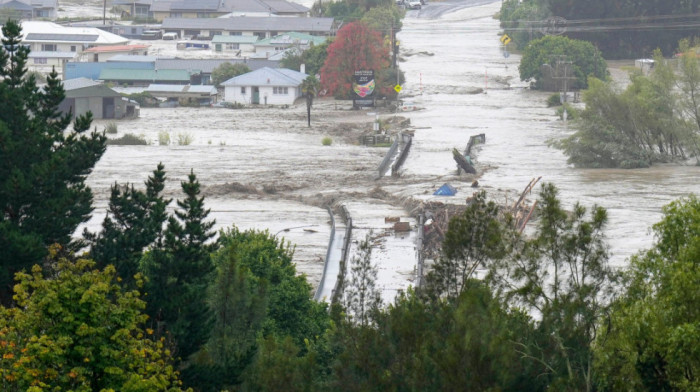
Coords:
161,5
208,5
282,6
249,23
53,55
16,5
134,58
61,37
268,77
208,65
179,88
74,84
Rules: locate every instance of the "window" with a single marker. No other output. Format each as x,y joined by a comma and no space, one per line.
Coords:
242,90
48,47
192,33
142,10
176,14
40,60
202,14
235,33
232,46
72,48
133,30
280,90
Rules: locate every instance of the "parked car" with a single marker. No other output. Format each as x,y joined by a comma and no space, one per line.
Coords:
414,4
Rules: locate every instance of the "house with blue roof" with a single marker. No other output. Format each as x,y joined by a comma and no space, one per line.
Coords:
268,86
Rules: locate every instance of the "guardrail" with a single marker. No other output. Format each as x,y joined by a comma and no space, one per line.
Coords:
340,282
384,166
319,290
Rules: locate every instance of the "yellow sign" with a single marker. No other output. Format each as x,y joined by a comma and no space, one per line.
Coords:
505,39
397,88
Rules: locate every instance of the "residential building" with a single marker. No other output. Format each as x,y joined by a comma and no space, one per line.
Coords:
144,77
201,94
29,9
207,66
238,44
103,53
267,86
83,95
162,9
261,27
285,41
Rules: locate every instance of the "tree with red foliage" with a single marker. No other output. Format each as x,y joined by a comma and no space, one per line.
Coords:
356,47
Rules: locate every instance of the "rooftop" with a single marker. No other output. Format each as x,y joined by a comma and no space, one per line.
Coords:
249,23
116,48
268,76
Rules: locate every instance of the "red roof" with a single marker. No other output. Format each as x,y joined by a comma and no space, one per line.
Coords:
116,48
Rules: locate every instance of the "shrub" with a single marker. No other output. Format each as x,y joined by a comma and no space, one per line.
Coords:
554,100
326,141
111,127
184,139
128,140
571,112
163,138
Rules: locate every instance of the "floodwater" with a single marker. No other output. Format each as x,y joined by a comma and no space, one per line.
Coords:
452,58
264,168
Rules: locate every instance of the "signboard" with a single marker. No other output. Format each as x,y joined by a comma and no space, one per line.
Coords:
505,39
363,85
397,88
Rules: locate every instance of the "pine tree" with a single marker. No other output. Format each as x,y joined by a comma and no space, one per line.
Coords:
43,197
134,221
178,272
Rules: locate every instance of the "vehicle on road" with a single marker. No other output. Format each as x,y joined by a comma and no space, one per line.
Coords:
414,4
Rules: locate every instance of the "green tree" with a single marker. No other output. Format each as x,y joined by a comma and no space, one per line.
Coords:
43,196
179,271
362,298
650,342
256,294
134,221
227,71
78,330
385,19
312,58
584,57
473,240
562,274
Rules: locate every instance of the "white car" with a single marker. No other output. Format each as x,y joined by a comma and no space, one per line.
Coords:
414,4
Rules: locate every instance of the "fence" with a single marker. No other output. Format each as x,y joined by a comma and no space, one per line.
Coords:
384,166
340,283
407,140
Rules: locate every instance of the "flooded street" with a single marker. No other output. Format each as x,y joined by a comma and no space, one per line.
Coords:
264,168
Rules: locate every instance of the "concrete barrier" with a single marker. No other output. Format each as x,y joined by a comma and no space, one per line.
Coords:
320,288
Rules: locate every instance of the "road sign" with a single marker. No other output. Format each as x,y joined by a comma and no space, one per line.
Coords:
505,39
397,88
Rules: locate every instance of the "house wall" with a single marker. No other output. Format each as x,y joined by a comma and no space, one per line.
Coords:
60,46
160,15
233,94
92,70
102,57
58,63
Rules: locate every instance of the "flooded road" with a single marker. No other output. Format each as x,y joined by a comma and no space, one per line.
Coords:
453,56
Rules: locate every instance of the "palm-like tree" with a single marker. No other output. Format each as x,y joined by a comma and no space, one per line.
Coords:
309,87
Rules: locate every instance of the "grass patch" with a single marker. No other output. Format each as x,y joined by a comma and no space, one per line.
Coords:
184,139
326,141
111,128
128,140
163,138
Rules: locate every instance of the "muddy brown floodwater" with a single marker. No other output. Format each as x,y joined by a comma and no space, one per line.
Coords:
263,168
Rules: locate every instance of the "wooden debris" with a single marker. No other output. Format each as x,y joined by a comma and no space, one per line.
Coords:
402,227
462,162
391,219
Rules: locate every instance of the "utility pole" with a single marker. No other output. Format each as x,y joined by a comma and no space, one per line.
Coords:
562,70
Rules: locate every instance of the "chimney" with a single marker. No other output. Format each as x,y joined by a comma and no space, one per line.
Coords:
302,68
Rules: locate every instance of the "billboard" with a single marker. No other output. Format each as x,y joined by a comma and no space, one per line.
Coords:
363,85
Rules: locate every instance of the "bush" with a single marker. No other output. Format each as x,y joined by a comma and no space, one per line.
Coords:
144,99
163,138
128,140
184,139
326,141
571,112
554,100
111,127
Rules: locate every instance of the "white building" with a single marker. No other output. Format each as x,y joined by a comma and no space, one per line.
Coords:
267,86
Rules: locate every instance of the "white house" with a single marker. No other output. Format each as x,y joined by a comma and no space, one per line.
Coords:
267,86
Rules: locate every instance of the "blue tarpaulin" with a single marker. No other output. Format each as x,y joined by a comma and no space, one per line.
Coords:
445,190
